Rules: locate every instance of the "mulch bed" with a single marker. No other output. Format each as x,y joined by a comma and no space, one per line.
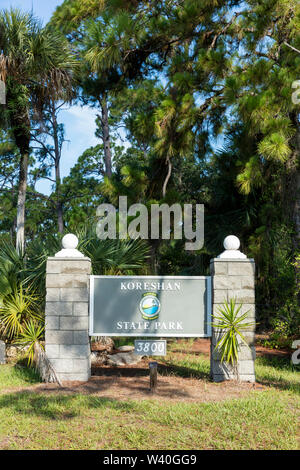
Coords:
170,388
132,381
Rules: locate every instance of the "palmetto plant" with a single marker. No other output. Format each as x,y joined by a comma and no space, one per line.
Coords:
114,257
36,259
17,268
16,309
22,288
31,336
12,266
231,324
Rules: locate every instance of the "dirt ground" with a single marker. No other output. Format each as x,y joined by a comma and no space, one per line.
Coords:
132,382
170,388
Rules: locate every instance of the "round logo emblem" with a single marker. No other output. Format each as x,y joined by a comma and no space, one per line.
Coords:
150,306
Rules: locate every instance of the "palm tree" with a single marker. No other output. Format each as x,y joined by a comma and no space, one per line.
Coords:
35,63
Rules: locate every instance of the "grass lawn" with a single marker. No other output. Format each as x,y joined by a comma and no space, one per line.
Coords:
267,419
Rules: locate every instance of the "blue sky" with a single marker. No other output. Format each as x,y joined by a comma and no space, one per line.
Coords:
79,121
42,8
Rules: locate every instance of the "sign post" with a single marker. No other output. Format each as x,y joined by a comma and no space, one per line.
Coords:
153,376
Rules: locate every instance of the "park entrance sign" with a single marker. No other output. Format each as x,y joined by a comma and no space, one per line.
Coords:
154,306
79,306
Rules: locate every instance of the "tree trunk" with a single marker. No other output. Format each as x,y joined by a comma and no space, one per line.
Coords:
297,203
292,194
107,153
106,136
59,205
13,229
297,212
293,184
57,155
59,209
154,247
20,242
164,189
20,122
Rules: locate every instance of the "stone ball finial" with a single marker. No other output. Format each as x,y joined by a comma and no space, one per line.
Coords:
231,243
69,242
69,247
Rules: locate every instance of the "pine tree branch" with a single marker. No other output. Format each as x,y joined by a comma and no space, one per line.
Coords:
223,31
292,47
46,149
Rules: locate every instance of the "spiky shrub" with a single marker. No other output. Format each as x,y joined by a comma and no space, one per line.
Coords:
31,336
231,323
16,309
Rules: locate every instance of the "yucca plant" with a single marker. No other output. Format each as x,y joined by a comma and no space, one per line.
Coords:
231,323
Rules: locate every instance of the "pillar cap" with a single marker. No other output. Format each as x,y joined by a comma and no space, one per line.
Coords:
69,247
231,244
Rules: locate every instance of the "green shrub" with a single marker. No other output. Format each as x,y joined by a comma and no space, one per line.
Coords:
286,326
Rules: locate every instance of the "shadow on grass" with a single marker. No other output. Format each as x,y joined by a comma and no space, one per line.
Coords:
28,374
272,371
58,407
278,362
183,371
15,375
119,371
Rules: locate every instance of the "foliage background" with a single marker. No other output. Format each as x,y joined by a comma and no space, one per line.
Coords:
202,93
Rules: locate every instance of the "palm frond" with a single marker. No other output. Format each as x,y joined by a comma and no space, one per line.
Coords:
115,256
15,310
32,334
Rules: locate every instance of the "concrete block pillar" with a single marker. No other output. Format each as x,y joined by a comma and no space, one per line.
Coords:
67,312
233,276
2,353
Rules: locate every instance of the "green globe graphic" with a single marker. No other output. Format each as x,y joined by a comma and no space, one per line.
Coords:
150,306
